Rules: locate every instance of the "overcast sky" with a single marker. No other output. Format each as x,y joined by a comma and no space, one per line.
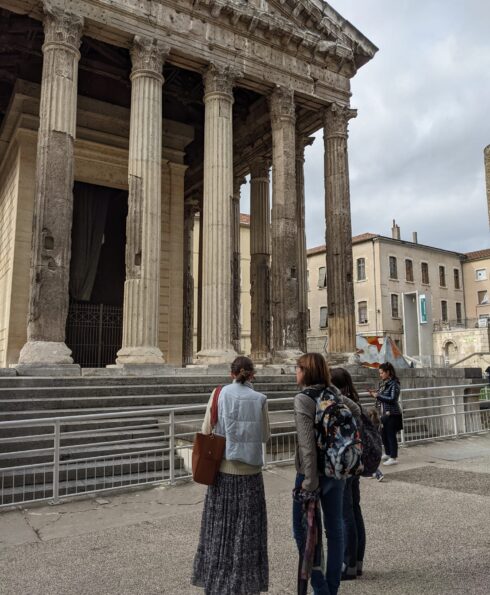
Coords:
416,146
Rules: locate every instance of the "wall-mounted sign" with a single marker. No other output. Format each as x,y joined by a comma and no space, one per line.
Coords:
423,309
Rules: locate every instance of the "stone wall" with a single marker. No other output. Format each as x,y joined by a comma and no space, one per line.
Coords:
460,343
8,208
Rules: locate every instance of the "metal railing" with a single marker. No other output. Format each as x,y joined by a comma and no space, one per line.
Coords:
58,457
461,323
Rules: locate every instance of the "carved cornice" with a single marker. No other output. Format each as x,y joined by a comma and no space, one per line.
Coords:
281,105
147,57
220,79
318,31
61,28
336,119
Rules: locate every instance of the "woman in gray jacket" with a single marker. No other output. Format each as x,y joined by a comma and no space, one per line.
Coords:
312,372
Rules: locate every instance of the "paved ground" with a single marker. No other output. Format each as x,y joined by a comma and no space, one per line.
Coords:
428,527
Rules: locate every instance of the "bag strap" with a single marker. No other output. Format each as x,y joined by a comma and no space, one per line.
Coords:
214,406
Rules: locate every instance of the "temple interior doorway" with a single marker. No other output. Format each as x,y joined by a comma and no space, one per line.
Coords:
97,273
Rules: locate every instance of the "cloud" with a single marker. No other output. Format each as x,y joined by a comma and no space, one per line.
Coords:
416,148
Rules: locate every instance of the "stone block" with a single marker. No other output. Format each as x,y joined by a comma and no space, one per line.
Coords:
8,372
49,370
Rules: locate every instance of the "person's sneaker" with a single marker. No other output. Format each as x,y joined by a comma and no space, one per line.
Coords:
375,476
391,461
385,457
380,476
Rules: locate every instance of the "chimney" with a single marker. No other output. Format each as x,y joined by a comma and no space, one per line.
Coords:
395,231
414,237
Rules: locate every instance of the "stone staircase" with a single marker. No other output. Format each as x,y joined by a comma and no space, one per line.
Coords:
128,451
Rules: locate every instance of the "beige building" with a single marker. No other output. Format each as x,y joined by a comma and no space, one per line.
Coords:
433,303
118,121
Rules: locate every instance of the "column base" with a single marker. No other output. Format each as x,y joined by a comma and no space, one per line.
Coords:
288,356
336,359
261,358
216,356
140,355
42,353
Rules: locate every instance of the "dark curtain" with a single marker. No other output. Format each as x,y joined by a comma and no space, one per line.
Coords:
89,220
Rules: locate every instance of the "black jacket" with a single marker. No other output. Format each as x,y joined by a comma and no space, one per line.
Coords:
388,395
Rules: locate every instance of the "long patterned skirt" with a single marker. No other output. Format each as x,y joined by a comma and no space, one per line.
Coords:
231,557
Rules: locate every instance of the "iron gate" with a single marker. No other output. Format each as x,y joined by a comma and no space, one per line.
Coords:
94,333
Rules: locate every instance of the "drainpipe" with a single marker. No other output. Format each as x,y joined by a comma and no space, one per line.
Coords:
375,292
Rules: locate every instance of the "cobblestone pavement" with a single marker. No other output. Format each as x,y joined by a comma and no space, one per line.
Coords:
428,532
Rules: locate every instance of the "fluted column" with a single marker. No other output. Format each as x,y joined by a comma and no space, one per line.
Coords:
216,344
285,293
190,209
340,286
235,266
53,203
142,285
301,143
260,276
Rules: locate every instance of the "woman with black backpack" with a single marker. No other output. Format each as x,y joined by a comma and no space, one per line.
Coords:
354,531
313,378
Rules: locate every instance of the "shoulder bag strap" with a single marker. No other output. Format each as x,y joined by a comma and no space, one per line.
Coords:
214,407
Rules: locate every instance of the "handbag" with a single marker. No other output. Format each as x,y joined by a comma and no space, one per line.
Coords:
208,449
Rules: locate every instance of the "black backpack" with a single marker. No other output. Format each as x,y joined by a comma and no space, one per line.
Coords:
371,446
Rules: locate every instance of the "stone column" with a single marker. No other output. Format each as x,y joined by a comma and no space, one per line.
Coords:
260,275
142,286
53,203
216,347
235,264
285,295
190,209
301,143
340,286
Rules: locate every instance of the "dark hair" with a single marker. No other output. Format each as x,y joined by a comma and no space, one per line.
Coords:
343,381
242,369
374,416
387,367
315,369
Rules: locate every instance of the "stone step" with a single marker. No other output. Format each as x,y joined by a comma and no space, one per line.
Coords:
76,478
100,381
39,441
128,401
82,452
138,390
107,424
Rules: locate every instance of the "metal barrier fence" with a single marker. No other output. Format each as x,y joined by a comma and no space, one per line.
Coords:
54,458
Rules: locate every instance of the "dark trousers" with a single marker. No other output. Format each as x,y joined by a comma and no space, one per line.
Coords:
331,498
354,531
391,424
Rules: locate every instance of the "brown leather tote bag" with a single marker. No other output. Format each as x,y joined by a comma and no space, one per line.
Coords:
208,449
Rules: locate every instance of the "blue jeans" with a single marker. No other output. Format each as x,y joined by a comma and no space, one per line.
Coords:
332,491
354,531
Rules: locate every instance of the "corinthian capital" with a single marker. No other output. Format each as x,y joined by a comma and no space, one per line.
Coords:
220,79
148,55
336,119
282,106
61,27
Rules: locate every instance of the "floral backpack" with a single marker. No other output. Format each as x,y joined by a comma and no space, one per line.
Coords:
337,435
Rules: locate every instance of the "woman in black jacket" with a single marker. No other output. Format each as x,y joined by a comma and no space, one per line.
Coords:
387,397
